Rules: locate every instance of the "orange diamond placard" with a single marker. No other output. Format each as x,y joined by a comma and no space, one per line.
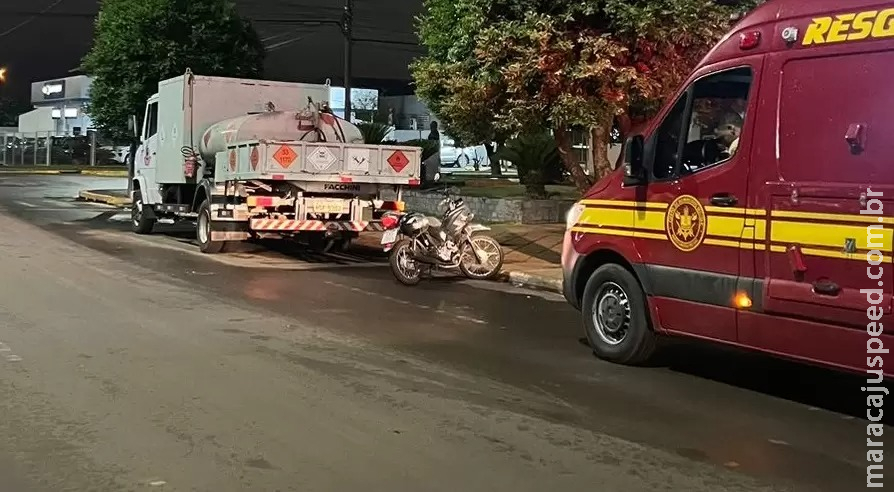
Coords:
398,161
285,156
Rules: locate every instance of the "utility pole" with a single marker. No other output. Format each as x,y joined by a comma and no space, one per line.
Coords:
347,27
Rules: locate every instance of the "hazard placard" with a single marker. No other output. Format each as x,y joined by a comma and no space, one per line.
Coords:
253,159
285,156
398,161
357,160
321,158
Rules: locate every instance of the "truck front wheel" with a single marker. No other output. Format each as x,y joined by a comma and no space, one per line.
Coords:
140,222
616,316
203,231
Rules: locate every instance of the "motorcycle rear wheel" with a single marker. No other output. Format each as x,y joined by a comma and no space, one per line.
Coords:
405,269
469,263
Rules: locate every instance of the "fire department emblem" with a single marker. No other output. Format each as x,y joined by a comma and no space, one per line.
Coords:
686,223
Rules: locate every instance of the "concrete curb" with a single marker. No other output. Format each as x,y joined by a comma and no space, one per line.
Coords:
105,173
115,201
531,281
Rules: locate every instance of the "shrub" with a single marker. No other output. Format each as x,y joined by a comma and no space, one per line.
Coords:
536,157
374,133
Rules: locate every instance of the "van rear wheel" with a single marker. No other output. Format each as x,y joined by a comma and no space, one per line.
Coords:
616,317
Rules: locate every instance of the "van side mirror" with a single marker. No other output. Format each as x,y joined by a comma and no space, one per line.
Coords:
634,167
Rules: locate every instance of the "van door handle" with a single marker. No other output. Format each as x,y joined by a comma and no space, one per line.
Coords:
724,200
826,288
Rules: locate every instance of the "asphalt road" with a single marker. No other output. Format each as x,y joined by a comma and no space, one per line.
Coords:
136,363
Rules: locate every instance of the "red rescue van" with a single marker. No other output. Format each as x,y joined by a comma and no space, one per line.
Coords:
757,208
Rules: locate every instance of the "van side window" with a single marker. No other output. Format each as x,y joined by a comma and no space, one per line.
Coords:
152,120
712,115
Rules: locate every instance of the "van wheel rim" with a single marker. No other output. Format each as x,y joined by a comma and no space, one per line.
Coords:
203,228
611,313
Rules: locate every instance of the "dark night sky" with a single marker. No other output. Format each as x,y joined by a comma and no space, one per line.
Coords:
48,46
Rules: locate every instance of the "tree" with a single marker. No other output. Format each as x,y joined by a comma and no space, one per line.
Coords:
445,78
561,64
137,43
11,109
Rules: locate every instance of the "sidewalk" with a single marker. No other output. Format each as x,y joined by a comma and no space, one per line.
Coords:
533,253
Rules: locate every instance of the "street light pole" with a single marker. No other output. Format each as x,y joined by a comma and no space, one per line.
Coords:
347,27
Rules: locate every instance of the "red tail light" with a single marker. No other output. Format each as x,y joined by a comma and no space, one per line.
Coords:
389,221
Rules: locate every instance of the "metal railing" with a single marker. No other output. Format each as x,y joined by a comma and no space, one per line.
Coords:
49,149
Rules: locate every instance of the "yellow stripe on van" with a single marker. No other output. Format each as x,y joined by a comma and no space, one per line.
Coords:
623,203
649,220
862,219
825,253
826,235
606,217
829,235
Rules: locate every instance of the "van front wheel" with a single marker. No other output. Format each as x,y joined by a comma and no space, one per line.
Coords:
616,317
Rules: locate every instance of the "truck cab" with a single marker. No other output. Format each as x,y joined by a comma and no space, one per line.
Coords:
146,156
755,209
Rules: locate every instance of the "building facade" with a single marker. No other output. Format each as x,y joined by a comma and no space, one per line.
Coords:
59,107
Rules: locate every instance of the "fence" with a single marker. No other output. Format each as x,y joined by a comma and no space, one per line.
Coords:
48,149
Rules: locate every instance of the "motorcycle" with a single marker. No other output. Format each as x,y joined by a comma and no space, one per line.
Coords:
416,242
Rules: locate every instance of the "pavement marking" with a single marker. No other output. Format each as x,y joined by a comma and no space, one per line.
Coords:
26,204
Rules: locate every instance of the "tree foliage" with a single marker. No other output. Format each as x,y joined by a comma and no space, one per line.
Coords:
137,43
499,67
11,109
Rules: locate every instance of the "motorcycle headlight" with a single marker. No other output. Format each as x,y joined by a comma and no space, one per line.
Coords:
573,215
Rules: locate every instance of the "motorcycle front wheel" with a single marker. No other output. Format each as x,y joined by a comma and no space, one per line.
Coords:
489,265
405,269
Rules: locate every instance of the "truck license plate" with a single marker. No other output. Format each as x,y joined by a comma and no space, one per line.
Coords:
326,207
389,236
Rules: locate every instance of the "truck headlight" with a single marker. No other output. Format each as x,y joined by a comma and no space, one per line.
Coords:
573,215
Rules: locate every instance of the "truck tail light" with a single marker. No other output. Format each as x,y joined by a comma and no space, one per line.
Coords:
261,201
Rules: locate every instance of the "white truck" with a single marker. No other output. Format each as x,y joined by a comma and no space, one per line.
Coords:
258,159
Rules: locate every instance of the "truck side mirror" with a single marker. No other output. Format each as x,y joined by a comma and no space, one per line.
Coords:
634,168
